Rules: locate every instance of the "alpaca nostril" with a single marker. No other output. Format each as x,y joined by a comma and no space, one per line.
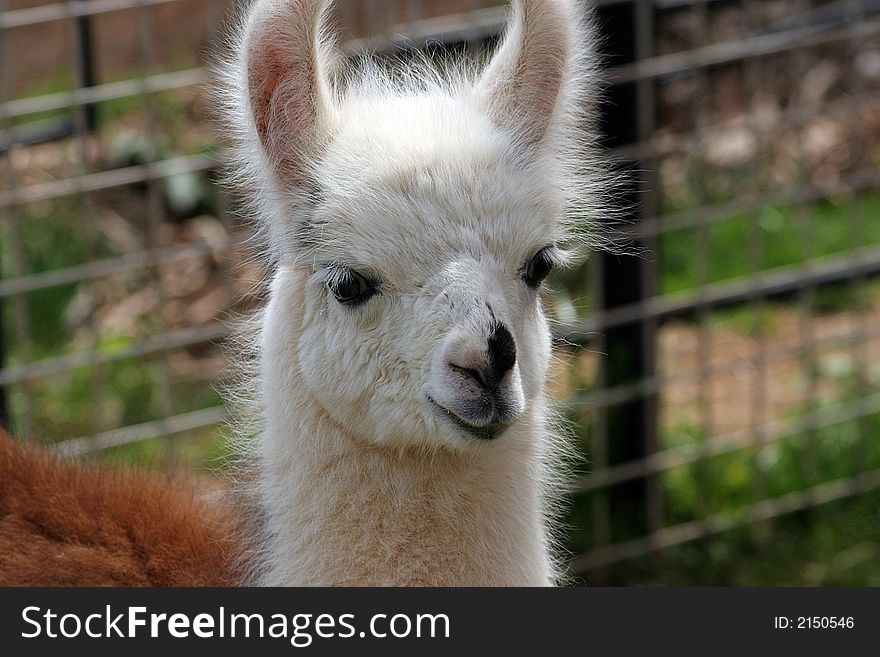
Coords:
480,376
502,353
498,359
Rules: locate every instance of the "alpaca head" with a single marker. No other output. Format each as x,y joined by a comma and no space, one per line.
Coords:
420,215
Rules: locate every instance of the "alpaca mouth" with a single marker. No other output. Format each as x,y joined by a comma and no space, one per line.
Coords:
487,431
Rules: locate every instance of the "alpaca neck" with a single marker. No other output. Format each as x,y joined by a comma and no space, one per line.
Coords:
348,513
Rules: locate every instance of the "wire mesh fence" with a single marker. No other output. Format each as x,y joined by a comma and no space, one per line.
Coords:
722,383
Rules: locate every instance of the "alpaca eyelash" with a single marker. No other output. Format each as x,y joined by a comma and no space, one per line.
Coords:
554,258
335,275
557,256
333,272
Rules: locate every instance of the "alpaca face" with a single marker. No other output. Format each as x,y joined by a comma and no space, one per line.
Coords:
422,218
431,239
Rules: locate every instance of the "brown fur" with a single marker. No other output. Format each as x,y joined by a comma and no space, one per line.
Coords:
64,523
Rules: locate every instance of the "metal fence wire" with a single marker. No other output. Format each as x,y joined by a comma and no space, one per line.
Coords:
722,379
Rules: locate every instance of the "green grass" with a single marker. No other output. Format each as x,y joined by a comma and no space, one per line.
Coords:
51,237
62,81
780,236
202,450
836,543
742,244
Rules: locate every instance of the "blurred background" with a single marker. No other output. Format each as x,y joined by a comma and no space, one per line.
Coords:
724,384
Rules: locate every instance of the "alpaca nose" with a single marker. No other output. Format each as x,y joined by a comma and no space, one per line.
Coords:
500,357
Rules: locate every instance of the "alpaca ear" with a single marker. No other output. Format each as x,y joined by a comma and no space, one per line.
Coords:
287,87
524,83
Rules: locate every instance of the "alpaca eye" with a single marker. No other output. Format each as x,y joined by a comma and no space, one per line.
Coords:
351,288
539,267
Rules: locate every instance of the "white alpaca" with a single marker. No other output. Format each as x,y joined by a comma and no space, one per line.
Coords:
404,436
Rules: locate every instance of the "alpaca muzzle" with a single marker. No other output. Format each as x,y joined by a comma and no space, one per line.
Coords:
477,382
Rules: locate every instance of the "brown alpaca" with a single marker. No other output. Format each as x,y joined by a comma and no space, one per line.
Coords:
68,524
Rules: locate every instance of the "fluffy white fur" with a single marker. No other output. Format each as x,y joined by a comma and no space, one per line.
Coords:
440,187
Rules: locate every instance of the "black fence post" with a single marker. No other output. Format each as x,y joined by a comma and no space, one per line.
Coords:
628,118
86,76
